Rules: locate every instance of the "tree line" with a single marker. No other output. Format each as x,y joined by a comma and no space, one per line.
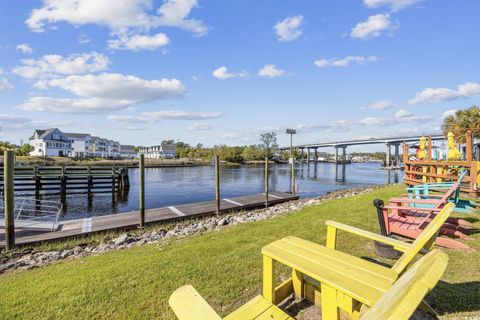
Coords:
267,148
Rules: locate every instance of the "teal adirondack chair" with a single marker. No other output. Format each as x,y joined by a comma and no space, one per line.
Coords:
424,191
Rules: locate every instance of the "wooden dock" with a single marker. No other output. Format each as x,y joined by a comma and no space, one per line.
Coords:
62,180
80,227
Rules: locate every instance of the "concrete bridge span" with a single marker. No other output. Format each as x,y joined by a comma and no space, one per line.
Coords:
388,141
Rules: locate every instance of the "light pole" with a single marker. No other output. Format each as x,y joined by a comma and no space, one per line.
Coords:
291,132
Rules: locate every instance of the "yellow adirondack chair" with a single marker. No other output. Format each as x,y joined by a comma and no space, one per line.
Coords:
346,282
398,303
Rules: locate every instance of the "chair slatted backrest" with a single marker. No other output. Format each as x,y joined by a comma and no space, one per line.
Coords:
452,192
401,300
426,239
460,178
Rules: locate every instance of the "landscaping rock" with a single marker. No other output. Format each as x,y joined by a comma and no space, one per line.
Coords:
121,239
27,258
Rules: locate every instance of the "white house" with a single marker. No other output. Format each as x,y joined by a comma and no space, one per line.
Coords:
166,150
51,143
113,149
127,151
80,144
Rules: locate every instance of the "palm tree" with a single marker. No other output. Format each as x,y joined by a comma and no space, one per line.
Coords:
462,121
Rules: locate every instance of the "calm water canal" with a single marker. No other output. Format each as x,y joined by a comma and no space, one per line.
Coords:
173,186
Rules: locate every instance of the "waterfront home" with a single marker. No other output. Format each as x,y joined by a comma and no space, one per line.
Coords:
127,151
166,150
80,144
54,142
113,149
51,143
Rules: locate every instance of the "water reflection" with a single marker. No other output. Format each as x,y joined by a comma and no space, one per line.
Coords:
173,186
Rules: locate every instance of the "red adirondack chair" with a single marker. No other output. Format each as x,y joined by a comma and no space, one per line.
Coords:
402,219
410,209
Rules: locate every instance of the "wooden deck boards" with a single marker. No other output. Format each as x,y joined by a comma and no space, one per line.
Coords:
130,220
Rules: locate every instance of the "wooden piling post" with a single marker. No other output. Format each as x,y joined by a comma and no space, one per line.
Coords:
89,179
217,182
114,178
9,199
266,182
142,190
292,177
63,182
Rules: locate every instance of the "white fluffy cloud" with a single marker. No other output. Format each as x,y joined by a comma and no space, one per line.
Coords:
25,48
289,29
174,13
448,113
101,93
222,73
181,115
119,16
373,27
71,105
271,71
139,42
6,118
118,87
374,121
344,62
5,85
395,5
53,65
201,127
468,89
402,116
381,105
155,116
402,113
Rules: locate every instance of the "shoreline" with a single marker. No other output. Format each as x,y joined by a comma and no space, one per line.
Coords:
27,258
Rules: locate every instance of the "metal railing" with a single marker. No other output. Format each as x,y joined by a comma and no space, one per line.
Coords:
36,213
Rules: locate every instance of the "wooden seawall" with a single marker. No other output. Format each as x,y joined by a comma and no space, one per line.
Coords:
80,227
61,180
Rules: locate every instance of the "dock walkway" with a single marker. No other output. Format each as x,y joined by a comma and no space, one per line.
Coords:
79,227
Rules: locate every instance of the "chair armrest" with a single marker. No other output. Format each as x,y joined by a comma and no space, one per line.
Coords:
333,226
188,304
418,201
397,207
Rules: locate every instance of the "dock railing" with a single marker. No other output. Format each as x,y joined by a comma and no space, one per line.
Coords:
36,213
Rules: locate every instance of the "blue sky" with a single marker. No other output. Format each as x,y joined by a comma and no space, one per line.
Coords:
140,71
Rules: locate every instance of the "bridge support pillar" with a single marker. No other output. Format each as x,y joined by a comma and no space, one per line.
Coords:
315,154
344,154
397,154
388,161
308,155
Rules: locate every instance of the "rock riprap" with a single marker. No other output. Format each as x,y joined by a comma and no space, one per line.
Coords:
29,258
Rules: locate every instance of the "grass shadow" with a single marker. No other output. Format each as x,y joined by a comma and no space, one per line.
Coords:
455,297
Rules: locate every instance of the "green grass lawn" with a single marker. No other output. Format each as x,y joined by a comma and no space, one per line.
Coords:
224,266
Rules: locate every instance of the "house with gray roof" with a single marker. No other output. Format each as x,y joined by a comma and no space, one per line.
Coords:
80,144
51,143
166,150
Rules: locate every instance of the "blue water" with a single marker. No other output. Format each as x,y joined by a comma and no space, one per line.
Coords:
173,186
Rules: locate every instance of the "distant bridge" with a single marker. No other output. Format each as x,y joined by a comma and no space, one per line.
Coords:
388,141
